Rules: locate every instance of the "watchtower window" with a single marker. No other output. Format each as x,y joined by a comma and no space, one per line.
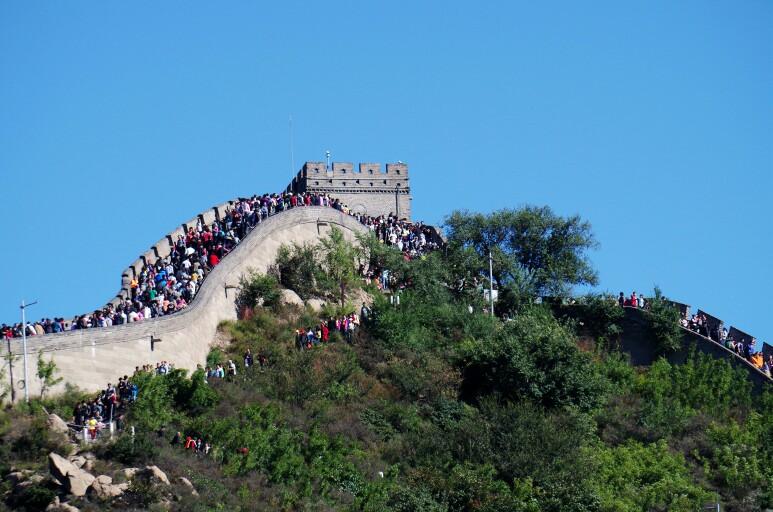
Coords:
330,181
371,183
398,171
384,182
398,184
316,183
316,169
344,183
370,171
343,171
358,182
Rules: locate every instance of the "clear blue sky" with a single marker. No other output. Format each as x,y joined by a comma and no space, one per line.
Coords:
653,120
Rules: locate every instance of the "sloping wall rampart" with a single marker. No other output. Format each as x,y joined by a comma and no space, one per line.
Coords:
92,357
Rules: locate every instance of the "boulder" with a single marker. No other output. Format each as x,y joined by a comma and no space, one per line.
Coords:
75,480
316,304
291,298
57,424
103,488
78,460
187,483
156,473
129,472
16,477
58,506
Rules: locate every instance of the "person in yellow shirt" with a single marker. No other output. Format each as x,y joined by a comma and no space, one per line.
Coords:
757,360
92,426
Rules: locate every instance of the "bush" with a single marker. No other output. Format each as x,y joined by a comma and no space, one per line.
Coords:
635,477
257,289
128,449
299,269
663,321
534,357
32,499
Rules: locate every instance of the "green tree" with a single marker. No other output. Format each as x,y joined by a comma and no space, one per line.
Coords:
339,261
634,477
299,269
47,374
663,321
530,245
256,287
533,356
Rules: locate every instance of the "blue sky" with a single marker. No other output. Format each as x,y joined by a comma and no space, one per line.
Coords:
653,120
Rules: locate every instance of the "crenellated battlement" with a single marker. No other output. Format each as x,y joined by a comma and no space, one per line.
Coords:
366,188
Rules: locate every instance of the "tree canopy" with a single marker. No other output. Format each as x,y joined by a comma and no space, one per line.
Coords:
532,248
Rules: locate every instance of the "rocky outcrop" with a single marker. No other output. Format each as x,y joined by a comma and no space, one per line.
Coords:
315,304
58,506
57,424
74,480
291,298
187,483
155,473
103,488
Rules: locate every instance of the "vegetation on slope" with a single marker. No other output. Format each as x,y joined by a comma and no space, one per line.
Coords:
436,408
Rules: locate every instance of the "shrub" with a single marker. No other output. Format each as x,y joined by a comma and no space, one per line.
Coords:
128,449
256,289
663,321
32,499
535,357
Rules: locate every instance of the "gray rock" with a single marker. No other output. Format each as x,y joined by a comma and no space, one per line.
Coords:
75,480
57,424
103,488
155,472
58,506
129,472
316,304
187,483
78,460
291,298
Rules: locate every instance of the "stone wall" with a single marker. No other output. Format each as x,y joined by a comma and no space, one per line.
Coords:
92,357
638,343
364,189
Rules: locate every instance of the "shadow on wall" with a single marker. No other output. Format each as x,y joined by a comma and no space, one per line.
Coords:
637,342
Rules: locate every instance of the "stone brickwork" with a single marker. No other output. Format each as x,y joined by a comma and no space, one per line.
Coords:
364,189
92,357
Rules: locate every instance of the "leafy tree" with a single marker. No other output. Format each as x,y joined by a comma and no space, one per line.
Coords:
634,477
256,287
530,245
299,269
534,356
47,374
663,321
339,260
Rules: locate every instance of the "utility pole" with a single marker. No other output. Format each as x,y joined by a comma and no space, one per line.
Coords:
24,345
491,281
10,371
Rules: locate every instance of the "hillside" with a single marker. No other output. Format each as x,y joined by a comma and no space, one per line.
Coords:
427,402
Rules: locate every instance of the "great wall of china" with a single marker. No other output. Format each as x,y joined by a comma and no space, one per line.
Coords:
90,358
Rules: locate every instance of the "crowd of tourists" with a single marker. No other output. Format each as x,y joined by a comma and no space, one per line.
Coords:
170,284
715,331
309,337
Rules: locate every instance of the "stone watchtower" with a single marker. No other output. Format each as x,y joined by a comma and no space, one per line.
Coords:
367,190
